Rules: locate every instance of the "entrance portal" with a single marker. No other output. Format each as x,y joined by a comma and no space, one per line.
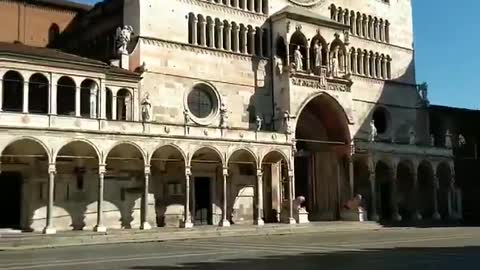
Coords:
323,141
203,203
10,200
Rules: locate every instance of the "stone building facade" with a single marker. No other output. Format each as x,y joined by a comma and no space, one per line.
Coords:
223,112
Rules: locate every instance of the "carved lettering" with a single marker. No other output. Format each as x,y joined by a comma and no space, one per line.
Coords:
321,84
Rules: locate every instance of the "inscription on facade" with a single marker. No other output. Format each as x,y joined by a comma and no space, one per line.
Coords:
320,84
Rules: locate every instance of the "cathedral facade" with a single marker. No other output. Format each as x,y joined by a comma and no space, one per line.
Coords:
222,112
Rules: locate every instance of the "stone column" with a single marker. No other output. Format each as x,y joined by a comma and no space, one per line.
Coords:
26,90
244,41
194,30
228,38
187,223
452,198
235,3
394,202
259,220
351,176
308,60
244,4
77,101
225,222
52,102
416,213
373,72
436,185
250,6
103,100
203,33
373,196
260,6
145,225
361,71
114,106
252,41
1,89
367,66
49,229
101,174
220,36
235,33
291,219
211,34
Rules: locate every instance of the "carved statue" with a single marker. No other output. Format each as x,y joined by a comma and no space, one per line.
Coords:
278,64
122,38
373,131
93,101
146,108
432,140
317,49
223,116
448,139
412,136
334,61
258,122
286,122
423,91
186,116
461,140
298,57
297,203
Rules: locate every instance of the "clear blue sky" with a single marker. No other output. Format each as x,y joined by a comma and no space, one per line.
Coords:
446,36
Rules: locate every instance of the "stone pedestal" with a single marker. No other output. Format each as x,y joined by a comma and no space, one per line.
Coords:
100,229
354,215
224,223
259,222
145,226
187,225
49,230
302,216
124,61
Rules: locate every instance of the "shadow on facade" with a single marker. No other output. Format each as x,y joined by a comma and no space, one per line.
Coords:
395,258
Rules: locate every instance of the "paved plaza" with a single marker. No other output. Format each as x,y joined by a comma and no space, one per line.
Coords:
439,248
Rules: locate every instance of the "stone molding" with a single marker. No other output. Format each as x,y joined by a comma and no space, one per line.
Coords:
226,9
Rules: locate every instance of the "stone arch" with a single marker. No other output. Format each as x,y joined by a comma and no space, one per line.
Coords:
168,145
129,143
32,139
210,35
339,51
358,30
227,28
300,42
243,37
426,188
384,189
405,188
124,105
53,33
66,89
199,148
217,29
333,12
275,154
353,22
444,175
238,150
88,105
318,39
13,84
192,24
201,23
79,140
38,85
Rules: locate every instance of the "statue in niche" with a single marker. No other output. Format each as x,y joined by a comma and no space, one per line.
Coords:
298,57
317,49
223,116
448,139
411,136
432,140
334,61
93,101
286,122
146,108
278,64
373,131
258,122
123,37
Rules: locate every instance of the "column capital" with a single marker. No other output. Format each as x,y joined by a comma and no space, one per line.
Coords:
225,171
52,168
259,172
148,169
102,168
188,171
290,173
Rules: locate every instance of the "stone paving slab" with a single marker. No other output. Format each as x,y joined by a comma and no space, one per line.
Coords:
74,238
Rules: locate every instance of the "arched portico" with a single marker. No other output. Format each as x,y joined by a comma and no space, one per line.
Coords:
426,190
26,165
323,144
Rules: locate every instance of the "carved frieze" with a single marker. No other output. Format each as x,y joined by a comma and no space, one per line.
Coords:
320,84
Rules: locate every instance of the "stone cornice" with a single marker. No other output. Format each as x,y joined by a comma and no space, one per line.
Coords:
384,44
199,49
226,9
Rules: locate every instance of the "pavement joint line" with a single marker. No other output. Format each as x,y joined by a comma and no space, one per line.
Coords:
124,259
19,263
392,241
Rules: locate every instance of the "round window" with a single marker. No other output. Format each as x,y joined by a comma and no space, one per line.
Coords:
380,116
200,102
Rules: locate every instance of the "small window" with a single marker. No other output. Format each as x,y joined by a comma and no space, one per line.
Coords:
53,33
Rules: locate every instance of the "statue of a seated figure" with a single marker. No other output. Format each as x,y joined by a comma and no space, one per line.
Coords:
299,211
353,209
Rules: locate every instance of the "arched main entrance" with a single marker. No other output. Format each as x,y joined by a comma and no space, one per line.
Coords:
323,142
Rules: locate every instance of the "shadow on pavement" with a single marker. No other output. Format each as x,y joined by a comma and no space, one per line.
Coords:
442,258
